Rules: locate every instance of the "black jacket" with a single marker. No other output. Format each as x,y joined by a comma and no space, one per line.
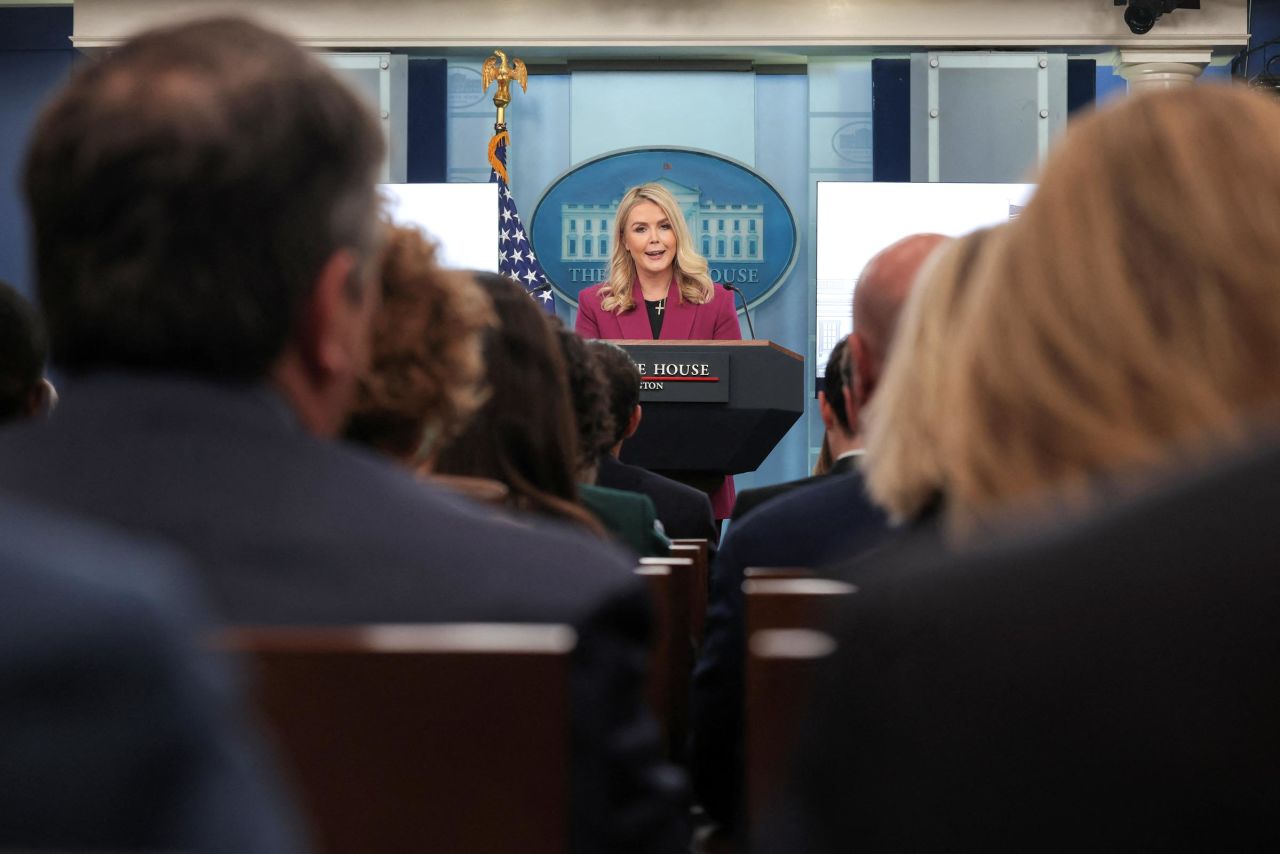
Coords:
1109,686
685,512
749,499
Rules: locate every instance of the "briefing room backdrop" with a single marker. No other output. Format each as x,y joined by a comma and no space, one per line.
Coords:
822,111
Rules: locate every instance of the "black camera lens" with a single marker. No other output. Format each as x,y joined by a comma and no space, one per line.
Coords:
1140,18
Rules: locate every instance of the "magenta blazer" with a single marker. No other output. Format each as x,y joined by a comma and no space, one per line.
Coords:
683,321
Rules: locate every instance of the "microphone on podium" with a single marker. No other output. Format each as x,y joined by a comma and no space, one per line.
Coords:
745,310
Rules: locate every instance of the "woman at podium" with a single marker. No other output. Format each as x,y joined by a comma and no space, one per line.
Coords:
659,288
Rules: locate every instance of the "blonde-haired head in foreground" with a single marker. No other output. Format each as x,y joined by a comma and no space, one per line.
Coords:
692,273
1130,320
903,465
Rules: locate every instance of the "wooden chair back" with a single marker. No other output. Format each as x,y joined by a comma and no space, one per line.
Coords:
700,551
424,737
759,572
671,658
659,682
784,622
791,603
780,668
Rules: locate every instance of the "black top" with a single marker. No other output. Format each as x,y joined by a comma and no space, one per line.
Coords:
655,307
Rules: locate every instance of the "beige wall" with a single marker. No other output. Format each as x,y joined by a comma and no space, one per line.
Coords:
687,27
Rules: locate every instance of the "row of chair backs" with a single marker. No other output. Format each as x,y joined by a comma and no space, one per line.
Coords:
456,737
786,608
415,738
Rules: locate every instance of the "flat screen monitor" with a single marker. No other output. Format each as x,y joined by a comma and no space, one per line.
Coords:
462,218
858,219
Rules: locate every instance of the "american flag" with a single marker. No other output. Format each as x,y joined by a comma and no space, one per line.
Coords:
515,253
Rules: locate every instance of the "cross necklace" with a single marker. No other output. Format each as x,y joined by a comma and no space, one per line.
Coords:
662,303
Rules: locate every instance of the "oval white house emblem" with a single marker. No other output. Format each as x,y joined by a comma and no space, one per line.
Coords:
739,222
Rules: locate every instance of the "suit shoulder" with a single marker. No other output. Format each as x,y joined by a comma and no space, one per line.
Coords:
674,486
75,566
590,297
749,500
414,521
622,500
808,502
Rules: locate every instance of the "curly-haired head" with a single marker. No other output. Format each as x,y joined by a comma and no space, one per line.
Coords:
426,375
623,379
589,391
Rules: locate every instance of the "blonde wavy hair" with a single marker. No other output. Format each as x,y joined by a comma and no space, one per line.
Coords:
1128,322
903,464
426,375
691,270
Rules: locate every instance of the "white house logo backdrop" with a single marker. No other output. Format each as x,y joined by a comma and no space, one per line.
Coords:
739,222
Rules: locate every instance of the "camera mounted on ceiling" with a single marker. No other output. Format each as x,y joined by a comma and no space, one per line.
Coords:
1141,15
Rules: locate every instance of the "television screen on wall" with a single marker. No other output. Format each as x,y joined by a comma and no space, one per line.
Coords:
462,218
858,219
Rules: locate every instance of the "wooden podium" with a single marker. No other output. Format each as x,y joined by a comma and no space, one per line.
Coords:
712,408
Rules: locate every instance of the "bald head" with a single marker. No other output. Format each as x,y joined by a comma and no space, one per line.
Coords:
877,301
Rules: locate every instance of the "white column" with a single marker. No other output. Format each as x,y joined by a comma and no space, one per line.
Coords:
1151,70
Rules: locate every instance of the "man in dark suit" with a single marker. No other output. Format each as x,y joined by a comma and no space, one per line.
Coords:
1103,687
116,732
808,526
205,218
843,438
685,512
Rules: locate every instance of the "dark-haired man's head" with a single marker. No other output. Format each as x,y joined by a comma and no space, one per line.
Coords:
203,202
835,404
622,378
24,392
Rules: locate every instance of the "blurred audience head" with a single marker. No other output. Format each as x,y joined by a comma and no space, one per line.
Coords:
203,202
24,349
589,392
823,464
903,463
426,375
622,381
836,415
878,298
1130,320
524,434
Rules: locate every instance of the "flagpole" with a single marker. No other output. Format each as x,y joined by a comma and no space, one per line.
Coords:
516,259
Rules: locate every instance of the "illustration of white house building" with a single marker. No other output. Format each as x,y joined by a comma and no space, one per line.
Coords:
721,232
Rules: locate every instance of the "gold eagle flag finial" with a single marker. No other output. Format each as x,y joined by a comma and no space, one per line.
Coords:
495,69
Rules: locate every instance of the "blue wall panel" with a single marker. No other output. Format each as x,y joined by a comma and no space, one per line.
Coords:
35,58
709,110
781,138
891,119
1264,26
428,154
